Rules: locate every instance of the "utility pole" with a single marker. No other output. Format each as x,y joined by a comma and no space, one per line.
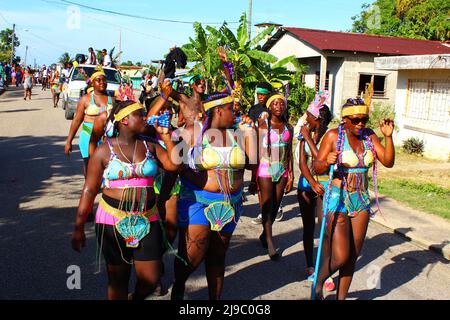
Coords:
26,52
12,45
249,27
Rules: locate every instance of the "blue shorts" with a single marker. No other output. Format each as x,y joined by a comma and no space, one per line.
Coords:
303,184
85,136
349,203
194,201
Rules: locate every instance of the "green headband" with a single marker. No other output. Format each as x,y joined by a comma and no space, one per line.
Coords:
262,91
195,79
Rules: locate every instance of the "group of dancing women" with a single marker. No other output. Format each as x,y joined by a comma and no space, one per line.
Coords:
159,181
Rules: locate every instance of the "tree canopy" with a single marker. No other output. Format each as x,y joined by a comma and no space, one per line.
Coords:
5,44
418,19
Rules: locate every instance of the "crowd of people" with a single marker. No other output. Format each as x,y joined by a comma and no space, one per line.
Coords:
160,178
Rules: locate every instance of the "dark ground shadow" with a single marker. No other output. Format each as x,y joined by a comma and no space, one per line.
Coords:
35,241
19,110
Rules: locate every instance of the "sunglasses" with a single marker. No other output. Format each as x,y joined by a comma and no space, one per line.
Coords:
356,121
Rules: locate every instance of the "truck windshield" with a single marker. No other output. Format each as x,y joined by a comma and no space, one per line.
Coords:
112,76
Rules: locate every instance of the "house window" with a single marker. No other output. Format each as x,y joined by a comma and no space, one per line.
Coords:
378,81
428,103
327,80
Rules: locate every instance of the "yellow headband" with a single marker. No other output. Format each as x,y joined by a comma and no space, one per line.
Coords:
97,74
273,98
127,110
219,102
350,111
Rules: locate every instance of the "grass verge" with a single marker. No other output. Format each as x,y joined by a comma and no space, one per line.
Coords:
426,197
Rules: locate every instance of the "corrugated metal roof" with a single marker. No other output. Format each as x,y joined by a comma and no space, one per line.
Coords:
346,41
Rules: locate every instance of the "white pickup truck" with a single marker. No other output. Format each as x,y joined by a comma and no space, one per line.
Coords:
74,88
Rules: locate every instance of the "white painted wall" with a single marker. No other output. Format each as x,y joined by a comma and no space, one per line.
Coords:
436,146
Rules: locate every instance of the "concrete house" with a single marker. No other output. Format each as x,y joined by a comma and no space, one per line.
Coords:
344,62
422,100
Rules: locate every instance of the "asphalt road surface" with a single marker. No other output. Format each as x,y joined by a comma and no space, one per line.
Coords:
39,192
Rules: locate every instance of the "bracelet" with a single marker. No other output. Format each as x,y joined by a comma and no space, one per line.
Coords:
164,98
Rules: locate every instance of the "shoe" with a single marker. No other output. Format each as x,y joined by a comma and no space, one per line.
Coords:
279,215
310,274
329,284
257,220
276,256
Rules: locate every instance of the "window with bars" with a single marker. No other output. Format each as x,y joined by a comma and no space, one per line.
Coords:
428,102
378,81
327,80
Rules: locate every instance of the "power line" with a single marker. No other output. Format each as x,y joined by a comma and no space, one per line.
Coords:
55,45
129,29
3,17
138,17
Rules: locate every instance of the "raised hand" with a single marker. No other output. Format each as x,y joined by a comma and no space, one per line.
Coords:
166,88
246,123
304,130
160,129
387,127
222,54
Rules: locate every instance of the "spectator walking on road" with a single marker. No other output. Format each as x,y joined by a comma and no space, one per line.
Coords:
28,81
55,86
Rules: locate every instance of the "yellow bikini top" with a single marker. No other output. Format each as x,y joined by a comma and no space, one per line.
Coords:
207,157
94,110
351,160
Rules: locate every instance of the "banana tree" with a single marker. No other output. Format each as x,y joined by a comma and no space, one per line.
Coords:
64,58
203,50
250,64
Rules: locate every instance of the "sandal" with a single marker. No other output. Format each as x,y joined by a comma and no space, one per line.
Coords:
329,284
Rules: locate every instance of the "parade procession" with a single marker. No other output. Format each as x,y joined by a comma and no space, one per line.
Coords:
202,151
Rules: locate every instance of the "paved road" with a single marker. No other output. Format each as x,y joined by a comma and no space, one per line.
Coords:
39,192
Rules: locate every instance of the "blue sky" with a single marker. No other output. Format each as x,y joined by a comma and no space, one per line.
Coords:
51,27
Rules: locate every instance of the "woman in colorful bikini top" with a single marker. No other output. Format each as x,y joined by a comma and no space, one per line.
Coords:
89,108
210,202
128,226
275,172
353,149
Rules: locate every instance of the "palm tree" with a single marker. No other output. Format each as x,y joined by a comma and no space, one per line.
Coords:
64,58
